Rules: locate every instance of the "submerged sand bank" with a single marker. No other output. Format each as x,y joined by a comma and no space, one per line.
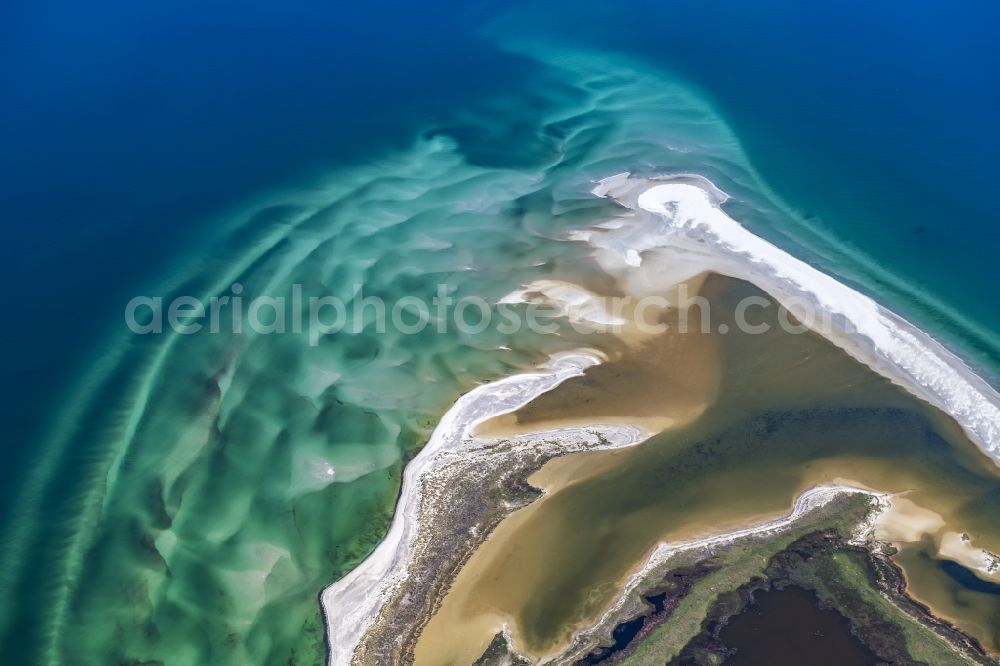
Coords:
351,605
904,522
679,230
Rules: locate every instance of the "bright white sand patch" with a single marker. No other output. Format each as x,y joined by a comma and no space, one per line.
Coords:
572,301
679,222
902,521
905,522
959,548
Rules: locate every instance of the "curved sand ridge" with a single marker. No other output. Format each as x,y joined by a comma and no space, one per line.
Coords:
688,233
352,603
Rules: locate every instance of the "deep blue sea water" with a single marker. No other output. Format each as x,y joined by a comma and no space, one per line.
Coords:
875,121
130,129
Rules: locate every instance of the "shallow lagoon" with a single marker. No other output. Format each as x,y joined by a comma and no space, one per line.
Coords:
791,411
787,628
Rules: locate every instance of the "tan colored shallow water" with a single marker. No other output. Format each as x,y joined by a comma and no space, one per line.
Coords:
789,411
976,612
651,381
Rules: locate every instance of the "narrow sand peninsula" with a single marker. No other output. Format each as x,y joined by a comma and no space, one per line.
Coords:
351,604
808,501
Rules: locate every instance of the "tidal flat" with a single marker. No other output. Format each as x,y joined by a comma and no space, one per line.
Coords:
791,411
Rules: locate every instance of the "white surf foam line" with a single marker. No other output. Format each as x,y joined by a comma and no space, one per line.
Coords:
679,230
352,603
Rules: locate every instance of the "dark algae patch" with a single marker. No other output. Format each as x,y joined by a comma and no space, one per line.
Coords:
787,627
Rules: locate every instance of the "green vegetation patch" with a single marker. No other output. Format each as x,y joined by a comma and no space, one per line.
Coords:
815,555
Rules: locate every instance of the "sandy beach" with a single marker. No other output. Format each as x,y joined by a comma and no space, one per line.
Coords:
689,233
351,604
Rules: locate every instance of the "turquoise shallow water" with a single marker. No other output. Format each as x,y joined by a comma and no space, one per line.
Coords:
874,124
178,507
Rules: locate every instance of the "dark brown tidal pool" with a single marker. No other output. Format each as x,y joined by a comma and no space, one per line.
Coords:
787,627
